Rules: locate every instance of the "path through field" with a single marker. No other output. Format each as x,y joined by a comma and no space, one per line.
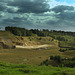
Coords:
34,47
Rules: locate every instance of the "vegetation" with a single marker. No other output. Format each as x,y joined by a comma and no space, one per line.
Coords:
23,69
66,39
19,31
61,52
60,61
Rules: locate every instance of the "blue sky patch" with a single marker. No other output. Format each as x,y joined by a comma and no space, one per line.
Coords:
67,1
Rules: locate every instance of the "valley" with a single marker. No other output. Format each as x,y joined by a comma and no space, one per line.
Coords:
32,50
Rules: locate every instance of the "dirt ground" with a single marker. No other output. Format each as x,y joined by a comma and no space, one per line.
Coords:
34,46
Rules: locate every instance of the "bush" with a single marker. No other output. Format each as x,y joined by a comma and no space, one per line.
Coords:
56,58
46,62
27,71
51,57
64,73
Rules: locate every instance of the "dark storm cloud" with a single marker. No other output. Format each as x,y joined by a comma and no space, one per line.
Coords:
6,1
16,21
51,22
66,12
12,10
66,17
2,7
0,16
35,14
62,8
3,4
24,6
30,6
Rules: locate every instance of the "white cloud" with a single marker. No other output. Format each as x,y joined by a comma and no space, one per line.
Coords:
12,8
51,13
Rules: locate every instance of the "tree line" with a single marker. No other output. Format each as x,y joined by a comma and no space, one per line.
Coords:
44,32
19,31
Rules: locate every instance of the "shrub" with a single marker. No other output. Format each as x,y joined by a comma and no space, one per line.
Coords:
46,62
57,58
27,70
64,73
51,57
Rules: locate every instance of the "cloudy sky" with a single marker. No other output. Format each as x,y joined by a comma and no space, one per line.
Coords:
39,14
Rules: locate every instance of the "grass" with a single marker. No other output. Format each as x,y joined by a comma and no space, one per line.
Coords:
23,69
33,56
6,34
70,53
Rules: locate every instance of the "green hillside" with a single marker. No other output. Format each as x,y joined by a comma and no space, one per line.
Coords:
23,69
6,34
29,61
6,38
9,40
65,39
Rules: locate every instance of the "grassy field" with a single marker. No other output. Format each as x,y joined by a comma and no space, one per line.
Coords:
29,56
33,57
70,53
23,69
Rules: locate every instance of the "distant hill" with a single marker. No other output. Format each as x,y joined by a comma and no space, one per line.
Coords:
13,36
9,40
65,39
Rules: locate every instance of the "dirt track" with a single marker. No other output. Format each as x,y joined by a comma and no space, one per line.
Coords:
34,47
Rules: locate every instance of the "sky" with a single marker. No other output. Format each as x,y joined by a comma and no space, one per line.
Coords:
67,1
38,14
